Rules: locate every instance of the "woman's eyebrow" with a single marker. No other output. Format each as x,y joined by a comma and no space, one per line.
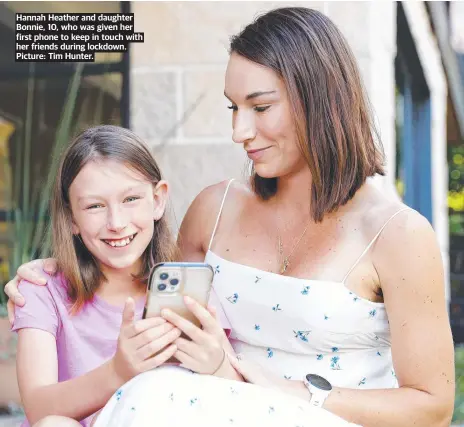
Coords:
253,94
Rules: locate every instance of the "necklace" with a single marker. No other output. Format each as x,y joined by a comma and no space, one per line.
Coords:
285,260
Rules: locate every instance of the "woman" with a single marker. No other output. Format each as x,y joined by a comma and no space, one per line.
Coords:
316,270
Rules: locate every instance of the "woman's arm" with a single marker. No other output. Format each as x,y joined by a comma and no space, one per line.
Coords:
32,272
409,264
41,393
198,223
193,239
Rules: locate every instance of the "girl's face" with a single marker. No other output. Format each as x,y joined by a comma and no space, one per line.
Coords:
262,119
114,209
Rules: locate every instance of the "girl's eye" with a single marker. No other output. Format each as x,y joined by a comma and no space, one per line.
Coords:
96,206
232,107
131,199
261,109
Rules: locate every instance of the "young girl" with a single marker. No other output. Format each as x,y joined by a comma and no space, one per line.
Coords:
78,340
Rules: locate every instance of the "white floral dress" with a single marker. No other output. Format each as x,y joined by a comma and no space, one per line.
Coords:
171,396
289,326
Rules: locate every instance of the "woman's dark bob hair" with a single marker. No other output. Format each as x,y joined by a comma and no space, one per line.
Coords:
332,116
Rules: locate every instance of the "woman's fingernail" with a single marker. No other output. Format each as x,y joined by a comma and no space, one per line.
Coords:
42,281
19,300
165,312
188,300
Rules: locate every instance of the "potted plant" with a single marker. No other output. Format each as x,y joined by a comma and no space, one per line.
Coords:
27,218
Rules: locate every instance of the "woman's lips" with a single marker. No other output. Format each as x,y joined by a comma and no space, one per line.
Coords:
256,154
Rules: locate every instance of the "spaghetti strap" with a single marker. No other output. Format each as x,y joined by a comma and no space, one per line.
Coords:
372,242
219,214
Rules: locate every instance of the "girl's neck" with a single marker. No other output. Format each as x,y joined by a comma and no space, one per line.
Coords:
119,285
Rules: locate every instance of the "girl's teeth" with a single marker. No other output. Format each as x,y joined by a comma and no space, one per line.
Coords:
120,243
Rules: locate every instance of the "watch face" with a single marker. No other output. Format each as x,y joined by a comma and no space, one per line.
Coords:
318,382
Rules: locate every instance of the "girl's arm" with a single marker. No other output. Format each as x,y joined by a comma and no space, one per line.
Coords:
41,393
37,366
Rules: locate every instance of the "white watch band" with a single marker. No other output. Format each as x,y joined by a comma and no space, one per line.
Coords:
318,394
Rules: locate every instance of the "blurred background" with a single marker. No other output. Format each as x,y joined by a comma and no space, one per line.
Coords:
169,90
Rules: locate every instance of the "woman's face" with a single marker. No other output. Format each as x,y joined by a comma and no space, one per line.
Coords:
262,119
114,208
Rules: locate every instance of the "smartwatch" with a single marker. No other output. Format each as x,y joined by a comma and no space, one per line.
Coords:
319,388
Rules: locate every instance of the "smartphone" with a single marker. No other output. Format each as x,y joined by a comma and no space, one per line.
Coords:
169,282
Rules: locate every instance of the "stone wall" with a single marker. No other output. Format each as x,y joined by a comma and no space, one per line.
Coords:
177,82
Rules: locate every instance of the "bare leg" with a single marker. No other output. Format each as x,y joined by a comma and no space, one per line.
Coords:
57,421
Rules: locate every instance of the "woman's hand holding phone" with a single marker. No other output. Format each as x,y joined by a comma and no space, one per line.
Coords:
142,345
206,352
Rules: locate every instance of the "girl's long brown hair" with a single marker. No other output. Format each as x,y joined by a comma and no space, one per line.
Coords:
75,262
332,117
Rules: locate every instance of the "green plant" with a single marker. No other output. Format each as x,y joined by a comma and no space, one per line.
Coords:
27,216
456,189
459,401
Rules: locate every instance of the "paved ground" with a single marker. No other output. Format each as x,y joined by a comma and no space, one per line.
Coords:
10,421
14,422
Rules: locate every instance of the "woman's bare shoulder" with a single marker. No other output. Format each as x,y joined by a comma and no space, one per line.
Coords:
403,231
210,198
204,209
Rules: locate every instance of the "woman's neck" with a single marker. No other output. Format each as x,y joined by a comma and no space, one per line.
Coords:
294,192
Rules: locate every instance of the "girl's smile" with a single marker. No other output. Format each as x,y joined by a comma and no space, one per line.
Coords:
114,209
120,243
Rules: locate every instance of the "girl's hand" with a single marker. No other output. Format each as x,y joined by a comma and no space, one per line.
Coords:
205,352
32,272
142,345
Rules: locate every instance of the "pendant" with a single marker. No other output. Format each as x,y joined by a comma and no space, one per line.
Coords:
284,266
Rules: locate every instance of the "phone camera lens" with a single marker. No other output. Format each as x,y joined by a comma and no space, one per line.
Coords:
161,287
164,276
174,282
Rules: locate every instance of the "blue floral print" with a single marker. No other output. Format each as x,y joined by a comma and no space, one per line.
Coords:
276,308
334,363
302,335
233,299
